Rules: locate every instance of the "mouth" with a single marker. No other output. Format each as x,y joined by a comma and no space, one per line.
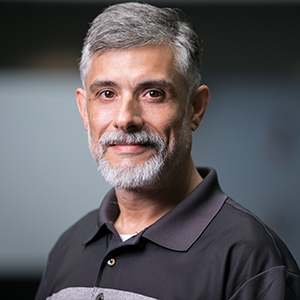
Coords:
129,149
148,145
131,143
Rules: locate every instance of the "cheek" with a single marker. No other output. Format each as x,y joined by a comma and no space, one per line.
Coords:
182,129
99,120
171,127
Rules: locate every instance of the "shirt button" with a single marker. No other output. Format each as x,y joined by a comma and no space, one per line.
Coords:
100,297
111,262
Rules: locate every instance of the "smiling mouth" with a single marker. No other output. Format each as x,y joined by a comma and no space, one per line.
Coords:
132,142
148,145
145,145
131,149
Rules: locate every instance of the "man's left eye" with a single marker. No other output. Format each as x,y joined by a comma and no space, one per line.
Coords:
155,94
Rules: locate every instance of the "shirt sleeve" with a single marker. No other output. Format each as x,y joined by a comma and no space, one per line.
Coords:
273,284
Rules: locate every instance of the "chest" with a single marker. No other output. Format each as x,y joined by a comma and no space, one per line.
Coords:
144,269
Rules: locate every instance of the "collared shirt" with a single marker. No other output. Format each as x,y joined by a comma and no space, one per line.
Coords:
207,247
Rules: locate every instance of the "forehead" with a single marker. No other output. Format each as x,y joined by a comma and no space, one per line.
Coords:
148,62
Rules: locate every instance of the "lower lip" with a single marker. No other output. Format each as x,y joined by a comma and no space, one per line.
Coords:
129,148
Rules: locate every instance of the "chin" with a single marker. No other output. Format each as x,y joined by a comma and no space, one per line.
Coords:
132,176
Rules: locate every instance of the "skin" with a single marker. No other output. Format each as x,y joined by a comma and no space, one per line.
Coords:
140,89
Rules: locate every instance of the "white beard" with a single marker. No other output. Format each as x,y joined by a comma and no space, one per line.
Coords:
133,177
158,170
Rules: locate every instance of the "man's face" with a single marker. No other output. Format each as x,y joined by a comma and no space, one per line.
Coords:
131,94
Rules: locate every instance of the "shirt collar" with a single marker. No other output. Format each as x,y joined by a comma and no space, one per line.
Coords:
180,227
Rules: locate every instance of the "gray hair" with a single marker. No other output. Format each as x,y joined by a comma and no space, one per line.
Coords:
130,25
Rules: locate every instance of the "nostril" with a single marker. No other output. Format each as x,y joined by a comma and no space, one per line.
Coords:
133,123
131,128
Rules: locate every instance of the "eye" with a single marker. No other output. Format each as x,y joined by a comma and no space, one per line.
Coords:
155,94
106,94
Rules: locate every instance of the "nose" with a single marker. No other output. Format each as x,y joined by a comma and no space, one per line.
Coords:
128,115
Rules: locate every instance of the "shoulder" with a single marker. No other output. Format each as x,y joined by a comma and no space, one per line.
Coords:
249,240
249,253
243,224
64,253
242,227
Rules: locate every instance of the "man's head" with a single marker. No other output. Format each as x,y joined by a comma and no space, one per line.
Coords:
139,107
130,25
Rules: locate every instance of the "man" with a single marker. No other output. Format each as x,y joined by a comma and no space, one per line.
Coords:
166,230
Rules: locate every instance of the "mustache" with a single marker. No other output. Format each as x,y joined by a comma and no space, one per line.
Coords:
151,140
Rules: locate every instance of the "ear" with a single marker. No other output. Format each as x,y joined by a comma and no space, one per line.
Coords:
199,100
81,103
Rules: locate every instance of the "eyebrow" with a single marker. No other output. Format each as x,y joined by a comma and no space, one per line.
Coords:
156,83
98,84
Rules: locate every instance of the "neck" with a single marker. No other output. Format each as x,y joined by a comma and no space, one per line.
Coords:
140,209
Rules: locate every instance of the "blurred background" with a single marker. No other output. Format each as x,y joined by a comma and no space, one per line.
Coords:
250,133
